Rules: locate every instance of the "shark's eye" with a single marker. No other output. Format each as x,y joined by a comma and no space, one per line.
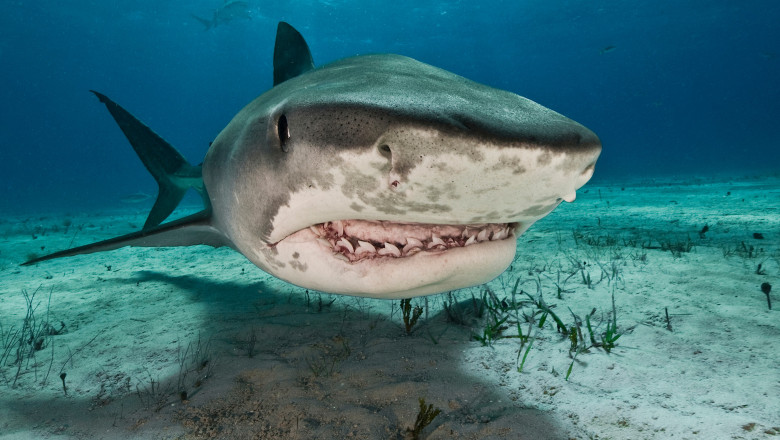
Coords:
283,130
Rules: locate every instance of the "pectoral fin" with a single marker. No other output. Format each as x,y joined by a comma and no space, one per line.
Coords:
188,231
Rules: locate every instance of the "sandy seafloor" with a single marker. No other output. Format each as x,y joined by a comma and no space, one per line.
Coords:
273,362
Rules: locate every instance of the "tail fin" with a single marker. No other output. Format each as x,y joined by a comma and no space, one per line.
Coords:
174,175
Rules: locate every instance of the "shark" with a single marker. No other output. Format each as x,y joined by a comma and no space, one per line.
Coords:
229,11
137,197
375,175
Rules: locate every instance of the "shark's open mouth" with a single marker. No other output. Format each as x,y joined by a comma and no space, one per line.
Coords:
356,240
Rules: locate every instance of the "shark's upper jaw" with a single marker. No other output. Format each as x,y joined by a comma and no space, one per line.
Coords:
357,240
354,241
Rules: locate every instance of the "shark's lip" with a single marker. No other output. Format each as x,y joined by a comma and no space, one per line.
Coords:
355,241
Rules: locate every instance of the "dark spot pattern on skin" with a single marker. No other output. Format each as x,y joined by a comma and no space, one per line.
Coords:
433,193
385,208
395,204
508,163
443,167
573,163
355,207
270,256
544,159
451,191
296,255
297,265
357,183
325,181
538,210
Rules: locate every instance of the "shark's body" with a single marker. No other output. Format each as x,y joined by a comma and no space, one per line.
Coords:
378,176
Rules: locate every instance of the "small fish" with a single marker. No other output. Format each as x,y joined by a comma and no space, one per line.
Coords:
136,198
607,50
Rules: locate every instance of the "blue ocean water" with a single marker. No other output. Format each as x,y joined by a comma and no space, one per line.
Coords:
672,88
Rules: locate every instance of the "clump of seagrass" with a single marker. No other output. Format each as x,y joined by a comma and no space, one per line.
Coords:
766,288
19,345
424,418
677,246
410,315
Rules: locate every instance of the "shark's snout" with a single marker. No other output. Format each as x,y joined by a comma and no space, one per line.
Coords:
590,144
587,173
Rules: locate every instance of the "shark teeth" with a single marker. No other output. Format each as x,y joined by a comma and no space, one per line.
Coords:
412,243
345,244
436,242
390,249
355,240
500,235
364,248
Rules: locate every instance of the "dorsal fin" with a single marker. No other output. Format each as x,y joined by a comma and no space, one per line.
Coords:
291,54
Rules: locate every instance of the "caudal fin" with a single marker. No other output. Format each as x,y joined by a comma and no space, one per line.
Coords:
174,175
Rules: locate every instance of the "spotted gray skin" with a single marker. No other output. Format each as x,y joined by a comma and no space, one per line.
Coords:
386,138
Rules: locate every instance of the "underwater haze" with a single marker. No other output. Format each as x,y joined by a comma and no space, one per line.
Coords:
646,307
672,88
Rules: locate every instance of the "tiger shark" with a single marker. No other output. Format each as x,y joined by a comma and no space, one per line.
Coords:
376,176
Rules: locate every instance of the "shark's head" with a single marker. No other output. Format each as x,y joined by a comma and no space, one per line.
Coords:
383,176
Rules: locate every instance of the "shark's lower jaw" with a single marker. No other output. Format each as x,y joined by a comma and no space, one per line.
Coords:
359,240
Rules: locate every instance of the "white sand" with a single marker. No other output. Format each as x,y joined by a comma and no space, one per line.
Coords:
327,366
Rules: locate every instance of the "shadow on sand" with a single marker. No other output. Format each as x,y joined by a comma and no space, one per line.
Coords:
304,365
